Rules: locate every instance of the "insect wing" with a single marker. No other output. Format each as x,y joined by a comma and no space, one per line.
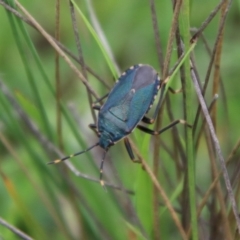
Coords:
146,84
120,90
132,96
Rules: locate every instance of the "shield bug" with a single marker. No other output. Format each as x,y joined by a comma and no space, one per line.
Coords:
126,105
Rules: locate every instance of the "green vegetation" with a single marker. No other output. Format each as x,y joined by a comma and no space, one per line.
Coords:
178,192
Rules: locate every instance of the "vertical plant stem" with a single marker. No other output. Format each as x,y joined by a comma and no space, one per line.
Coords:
80,56
156,218
187,93
218,151
57,48
217,63
57,78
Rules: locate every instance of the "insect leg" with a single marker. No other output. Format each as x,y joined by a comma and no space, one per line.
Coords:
171,90
93,127
130,151
97,107
159,104
100,99
148,120
153,132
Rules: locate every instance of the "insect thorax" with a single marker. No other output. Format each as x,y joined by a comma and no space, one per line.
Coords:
110,129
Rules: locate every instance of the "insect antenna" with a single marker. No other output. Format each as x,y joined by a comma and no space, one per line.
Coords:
101,168
72,155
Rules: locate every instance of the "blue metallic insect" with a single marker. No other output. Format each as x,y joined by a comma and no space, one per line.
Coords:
127,104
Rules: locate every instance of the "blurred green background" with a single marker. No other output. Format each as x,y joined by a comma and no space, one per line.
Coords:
50,202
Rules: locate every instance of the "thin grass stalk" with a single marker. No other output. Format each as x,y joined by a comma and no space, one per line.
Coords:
57,78
157,35
29,73
44,198
218,37
198,137
44,142
15,12
171,38
187,101
166,200
165,68
218,150
156,219
185,192
80,56
46,146
217,62
15,230
66,50
24,211
101,36
217,197
85,82
231,218
98,40
177,144
156,152
33,51
51,88
216,180
58,109
161,192
208,20
71,124
57,48
18,131
102,231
